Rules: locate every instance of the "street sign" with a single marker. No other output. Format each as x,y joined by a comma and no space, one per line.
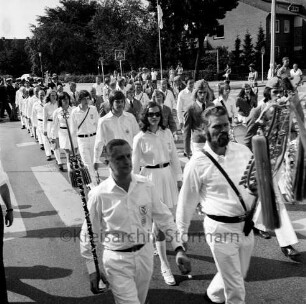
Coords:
119,55
262,50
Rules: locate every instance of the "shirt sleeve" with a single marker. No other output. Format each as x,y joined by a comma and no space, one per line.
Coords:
137,154
188,199
135,126
179,108
99,142
45,118
174,159
55,125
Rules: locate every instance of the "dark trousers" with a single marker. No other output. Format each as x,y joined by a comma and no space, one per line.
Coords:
4,106
3,291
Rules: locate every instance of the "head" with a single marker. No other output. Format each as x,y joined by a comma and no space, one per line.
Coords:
41,95
54,77
190,83
273,89
119,158
52,96
138,87
158,96
295,66
84,98
60,89
201,91
164,84
117,102
121,82
224,89
112,85
151,117
107,80
252,67
130,91
286,61
72,86
98,80
36,90
64,100
216,126
246,90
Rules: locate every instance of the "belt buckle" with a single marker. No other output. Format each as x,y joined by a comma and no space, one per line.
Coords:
161,166
242,217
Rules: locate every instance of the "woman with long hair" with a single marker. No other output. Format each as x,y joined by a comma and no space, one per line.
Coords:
155,151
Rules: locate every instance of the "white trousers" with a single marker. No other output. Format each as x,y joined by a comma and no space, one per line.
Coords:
129,274
232,252
86,150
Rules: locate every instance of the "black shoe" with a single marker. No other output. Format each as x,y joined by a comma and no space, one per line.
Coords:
52,152
187,155
290,252
49,158
263,234
42,147
61,168
208,300
23,127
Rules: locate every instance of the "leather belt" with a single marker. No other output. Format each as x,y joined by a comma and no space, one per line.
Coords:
40,119
159,166
63,127
50,119
87,135
228,219
131,249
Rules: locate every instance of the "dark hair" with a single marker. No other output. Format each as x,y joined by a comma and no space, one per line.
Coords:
107,80
144,123
267,94
115,95
212,111
83,94
48,99
31,92
222,87
61,97
114,143
189,78
242,93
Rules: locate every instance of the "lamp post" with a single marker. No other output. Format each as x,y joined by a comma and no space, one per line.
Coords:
41,68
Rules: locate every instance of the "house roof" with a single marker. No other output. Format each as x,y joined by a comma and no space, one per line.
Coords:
266,6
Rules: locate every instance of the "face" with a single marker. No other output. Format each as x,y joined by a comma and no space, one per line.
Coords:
247,90
286,62
153,116
164,85
276,93
190,85
218,131
118,105
295,66
130,94
53,96
226,91
85,101
65,102
60,89
98,80
201,95
159,98
120,160
73,87
138,88
41,95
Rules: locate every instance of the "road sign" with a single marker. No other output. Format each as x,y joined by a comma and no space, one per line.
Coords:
119,55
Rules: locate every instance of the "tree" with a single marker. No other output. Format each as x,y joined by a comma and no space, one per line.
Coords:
261,42
196,17
248,50
236,55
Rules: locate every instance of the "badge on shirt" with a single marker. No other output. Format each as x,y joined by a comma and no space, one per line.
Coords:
127,131
143,210
91,116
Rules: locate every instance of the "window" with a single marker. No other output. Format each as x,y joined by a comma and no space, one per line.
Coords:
286,26
277,26
219,32
277,51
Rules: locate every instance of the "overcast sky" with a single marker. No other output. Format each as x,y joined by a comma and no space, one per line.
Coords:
17,15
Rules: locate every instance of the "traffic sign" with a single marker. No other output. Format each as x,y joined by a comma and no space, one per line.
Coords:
119,55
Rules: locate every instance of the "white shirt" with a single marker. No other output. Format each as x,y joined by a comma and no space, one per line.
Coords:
170,100
59,121
31,101
230,105
143,98
123,219
37,112
48,111
111,127
89,126
106,91
154,75
184,100
98,88
204,183
153,149
296,76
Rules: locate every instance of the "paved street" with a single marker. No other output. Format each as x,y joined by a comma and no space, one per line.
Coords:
41,249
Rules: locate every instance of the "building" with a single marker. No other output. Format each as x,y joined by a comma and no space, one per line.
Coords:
249,15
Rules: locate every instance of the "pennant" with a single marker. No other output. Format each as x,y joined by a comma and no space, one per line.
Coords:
160,17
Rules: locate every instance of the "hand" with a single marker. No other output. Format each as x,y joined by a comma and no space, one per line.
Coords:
9,217
45,133
94,279
183,262
179,184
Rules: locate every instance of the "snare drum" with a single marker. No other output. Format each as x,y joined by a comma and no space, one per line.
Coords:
238,133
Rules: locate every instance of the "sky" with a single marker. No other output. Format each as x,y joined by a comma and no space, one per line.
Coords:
17,15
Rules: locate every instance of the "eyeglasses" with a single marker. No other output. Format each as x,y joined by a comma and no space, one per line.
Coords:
202,92
277,92
152,114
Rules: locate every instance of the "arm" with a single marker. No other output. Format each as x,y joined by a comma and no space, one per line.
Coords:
99,143
179,108
55,125
137,154
45,120
171,123
174,159
6,197
187,130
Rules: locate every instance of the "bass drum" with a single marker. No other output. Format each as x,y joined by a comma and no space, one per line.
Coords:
238,133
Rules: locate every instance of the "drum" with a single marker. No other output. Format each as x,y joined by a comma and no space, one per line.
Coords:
238,133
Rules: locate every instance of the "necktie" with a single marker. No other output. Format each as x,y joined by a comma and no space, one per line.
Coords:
203,106
74,96
131,102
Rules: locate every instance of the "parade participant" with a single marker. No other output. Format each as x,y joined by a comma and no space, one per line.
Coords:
169,99
9,217
148,87
26,104
4,99
132,105
167,117
106,89
285,235
202,97
116,124
97,89
54,82
35,99
178,86
84,120
227,72
59,129
253,76
184,100
31,100
154,148
225,221
121,85
246,101
225,100
179,69
59,89
74,94
48,110
171,75
22,107
38,115
140,95
284,71
153,75
122,209
11,93
296,76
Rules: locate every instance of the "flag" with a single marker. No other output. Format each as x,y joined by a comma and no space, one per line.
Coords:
160,17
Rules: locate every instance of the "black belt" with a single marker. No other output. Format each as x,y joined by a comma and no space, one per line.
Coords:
87,135
40,119
50,119
63,127
131,249
228,219
164,165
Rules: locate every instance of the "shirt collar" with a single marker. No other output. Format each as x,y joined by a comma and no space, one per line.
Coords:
112,184
215,155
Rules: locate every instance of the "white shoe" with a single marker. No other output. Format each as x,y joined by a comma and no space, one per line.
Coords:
168,276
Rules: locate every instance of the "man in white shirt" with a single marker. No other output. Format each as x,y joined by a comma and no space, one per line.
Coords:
296,76
84,120
225,218
122,209
97,88
140,94
184,100
74,94
116,124
106,89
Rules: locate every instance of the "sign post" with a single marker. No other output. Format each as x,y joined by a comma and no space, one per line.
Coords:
262,50
119,56
101,61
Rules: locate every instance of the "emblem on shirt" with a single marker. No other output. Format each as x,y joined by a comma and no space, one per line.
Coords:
143,210
127,131
91,116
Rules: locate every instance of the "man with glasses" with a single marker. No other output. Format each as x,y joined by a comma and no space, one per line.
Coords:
116,124
201,97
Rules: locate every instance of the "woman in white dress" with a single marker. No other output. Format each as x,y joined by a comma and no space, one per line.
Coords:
59,128
155,151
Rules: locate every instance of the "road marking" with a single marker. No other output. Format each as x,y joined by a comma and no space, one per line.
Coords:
30,143
18,224
61,195
299,226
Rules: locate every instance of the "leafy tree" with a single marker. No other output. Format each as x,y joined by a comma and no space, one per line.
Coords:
248,50
196,17
261,42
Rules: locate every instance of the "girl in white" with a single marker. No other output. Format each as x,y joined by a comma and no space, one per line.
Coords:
155,151
37,115
59,129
